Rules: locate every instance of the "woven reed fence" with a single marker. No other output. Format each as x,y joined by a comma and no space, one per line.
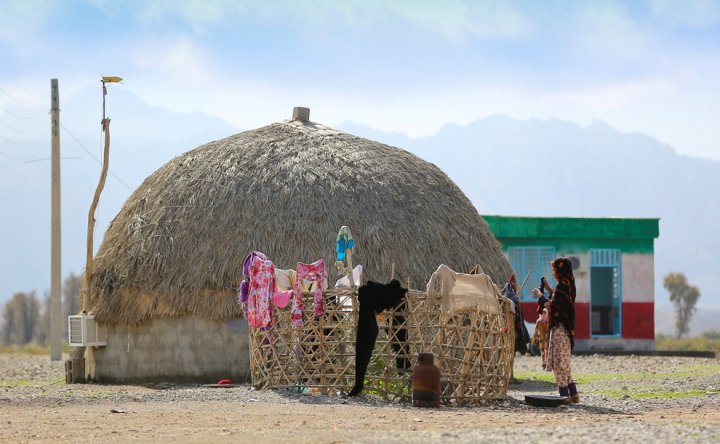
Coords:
473,349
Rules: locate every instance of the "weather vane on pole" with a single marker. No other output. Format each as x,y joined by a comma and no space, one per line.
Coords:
105,80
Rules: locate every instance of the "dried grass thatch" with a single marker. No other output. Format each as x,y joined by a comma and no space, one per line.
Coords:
177,246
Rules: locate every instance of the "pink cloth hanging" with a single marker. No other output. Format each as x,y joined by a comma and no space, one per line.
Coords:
314,272
261,288
281,299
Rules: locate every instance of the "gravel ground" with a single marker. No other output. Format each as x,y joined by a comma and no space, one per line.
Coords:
623,399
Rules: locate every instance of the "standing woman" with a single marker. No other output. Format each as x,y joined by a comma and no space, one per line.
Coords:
561,327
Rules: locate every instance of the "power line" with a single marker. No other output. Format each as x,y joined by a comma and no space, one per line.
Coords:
6,111
50,158
19,100
13,141
18,130
10,156
94,157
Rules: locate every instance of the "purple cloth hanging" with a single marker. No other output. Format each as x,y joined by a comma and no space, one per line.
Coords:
242,293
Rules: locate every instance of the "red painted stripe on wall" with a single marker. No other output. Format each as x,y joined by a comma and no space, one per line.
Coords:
582,320
529,311
582,317
638,320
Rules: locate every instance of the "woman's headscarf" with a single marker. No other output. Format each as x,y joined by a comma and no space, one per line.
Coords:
565,278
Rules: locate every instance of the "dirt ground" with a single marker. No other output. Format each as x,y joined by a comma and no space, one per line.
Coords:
228,421
672,400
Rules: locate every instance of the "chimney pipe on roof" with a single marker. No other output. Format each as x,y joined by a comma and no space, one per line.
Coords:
301,114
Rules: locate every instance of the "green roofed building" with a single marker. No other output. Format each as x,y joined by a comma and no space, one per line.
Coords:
613,263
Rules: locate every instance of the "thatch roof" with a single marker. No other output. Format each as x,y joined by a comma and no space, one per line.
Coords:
176,247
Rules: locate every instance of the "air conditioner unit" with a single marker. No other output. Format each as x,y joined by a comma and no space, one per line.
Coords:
579,263
83,331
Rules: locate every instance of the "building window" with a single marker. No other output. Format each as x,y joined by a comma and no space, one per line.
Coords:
530,264
605,292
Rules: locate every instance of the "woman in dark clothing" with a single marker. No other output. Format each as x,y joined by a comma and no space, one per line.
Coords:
562,327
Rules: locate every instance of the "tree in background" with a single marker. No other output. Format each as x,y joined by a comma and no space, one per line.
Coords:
71,299
42,327
684,297
26,319
20,315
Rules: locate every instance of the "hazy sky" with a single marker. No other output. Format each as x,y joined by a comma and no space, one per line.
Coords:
404,66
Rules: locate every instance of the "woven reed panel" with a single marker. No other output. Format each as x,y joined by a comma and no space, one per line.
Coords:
473,349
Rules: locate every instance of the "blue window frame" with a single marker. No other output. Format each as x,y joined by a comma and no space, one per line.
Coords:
533,263
605,292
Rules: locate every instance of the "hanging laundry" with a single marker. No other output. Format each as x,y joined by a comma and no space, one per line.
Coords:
281,299
316,273
261,289
285,278
341,268
477,269
459,290
358,277
344,242
242,293
374,298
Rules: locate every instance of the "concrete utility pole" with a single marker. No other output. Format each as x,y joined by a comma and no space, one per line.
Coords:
55,261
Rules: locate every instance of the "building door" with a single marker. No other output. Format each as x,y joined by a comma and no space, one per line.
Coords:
605,292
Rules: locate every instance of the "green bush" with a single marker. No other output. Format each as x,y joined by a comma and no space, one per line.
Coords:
711,334
665,342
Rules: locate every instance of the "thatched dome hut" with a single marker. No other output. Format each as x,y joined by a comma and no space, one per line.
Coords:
176,248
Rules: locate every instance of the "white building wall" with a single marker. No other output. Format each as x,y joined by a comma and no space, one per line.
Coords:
184,349
605,344
638,277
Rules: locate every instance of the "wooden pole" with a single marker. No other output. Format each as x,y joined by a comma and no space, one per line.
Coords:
55,232
348,255
91,213
355,302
